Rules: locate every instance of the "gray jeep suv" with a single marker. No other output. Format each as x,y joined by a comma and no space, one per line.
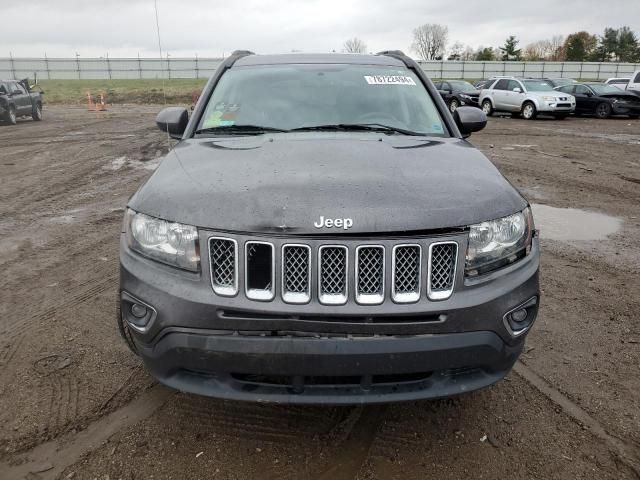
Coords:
525,97
323,233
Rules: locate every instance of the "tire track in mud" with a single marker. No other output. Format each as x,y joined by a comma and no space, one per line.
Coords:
56,455
14,333
353,452
626,451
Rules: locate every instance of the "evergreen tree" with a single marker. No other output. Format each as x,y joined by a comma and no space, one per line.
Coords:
510,52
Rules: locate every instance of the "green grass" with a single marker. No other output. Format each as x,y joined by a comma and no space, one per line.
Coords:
121,91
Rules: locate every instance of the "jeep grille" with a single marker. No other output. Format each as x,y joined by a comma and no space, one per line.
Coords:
323,271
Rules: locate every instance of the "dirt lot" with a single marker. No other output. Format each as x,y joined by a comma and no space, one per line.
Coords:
74,403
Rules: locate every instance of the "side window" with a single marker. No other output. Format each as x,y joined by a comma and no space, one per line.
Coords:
19,88
637,79
501,85
567,89
3,89
582,90
446,86
513,84
438,85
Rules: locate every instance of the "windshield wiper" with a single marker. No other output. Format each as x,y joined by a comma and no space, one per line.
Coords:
246,129
364,127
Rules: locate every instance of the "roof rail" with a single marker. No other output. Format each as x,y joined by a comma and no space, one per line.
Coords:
391,52
242,52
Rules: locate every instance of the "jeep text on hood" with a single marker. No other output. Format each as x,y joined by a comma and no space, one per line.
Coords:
323,233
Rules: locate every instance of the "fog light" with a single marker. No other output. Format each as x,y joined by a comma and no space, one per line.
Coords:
138,311
519,320
139,315
518,315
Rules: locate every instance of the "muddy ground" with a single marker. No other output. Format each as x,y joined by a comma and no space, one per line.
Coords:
74,403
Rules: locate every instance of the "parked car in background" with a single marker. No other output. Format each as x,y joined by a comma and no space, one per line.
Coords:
458,93
620,83
525,97
17,100
634,84
555,82
602,100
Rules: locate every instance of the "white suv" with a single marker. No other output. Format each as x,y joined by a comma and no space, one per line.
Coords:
525,97
634,83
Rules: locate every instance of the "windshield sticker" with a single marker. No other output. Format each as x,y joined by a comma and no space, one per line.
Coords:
389,80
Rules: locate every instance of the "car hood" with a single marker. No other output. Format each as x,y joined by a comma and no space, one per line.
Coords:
474,93
621,94
284,183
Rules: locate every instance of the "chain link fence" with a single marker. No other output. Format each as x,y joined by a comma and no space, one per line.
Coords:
106,68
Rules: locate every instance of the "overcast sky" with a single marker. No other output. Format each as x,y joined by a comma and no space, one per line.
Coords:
216,27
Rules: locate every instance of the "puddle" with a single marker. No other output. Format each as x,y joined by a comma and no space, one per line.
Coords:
567,224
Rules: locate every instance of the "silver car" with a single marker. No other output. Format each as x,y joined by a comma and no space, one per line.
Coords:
525,97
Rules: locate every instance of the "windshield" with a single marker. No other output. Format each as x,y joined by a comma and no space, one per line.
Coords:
287,97
602,88
537,86
560,82
462,86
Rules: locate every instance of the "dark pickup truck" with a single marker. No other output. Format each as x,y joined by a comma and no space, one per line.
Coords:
17,100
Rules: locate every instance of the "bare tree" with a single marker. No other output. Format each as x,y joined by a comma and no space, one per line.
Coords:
430,41
536,51
355,45
455,52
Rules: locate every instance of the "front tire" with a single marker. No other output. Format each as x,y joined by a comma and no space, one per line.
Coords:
453,105
603,110
529,111
487,108
11,115
36,114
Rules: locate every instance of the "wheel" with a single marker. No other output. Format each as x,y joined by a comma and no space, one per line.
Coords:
487,108
561,116
603,110
124,329
37,112
453,105
11,115
529,111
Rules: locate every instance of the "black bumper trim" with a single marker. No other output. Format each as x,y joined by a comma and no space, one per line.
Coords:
208,364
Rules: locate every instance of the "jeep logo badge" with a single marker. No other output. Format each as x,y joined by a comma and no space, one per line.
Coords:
345,223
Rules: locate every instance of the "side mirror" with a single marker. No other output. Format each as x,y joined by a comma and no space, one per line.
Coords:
517,90
173,120
469,120
588,94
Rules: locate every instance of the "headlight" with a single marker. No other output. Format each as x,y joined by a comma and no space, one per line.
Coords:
549,99
466,97
169,242
497,243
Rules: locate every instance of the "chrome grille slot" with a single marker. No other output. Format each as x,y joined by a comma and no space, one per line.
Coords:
223,253
259,271
296,273
332,274
405,272
369,274
443,258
